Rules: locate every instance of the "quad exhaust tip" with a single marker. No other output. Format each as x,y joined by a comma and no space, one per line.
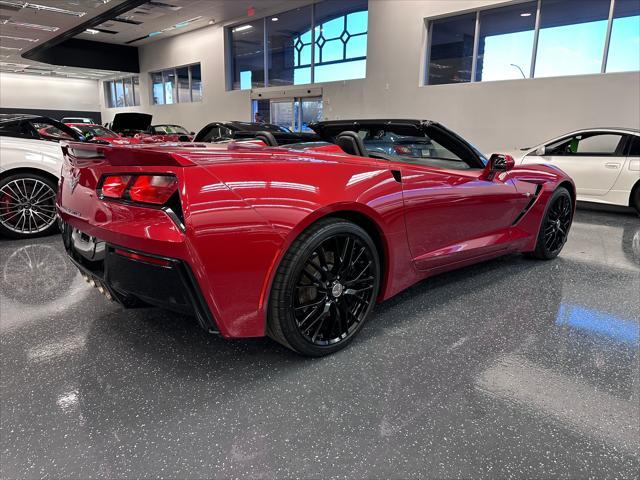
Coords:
98,285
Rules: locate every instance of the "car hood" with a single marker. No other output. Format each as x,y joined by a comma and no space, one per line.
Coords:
131,121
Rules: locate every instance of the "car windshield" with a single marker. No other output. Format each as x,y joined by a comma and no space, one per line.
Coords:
95,131
171,129
50,132
261,127
420,149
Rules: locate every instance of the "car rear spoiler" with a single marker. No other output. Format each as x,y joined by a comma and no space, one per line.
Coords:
129,155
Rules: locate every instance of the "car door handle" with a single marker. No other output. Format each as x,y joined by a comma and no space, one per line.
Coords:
612,165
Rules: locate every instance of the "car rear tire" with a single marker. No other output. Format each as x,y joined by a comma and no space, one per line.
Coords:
27,206
324,289
555,225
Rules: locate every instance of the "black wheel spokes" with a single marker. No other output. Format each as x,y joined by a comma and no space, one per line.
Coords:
334,290
556,227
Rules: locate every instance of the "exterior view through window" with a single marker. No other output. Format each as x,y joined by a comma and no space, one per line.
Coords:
323,42
534,39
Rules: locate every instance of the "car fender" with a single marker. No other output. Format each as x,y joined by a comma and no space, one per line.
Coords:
20,153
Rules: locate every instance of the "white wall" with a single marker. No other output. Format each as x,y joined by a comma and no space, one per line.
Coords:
205,46
48,93
492,115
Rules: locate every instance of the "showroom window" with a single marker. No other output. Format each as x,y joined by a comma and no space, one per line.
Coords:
623,54
533,39
122,92
323,42
177,85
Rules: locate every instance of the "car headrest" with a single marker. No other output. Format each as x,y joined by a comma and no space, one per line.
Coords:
351,144
268,138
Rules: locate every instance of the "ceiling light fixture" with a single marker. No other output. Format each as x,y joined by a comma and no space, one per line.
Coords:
34,26
20,39
274,19
242,28
92,31
45,8
525,14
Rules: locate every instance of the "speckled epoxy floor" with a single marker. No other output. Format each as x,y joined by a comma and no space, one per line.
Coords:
512,368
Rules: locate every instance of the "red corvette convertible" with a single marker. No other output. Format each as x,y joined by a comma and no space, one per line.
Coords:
298,243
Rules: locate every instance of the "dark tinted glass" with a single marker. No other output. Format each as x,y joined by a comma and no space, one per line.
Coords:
506,42
196,83
634,148
451,51
247,52
184,95
10,129
136,90
157,88
289,47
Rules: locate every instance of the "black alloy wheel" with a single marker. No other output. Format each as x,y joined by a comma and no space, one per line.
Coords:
325,288
27,206
555,226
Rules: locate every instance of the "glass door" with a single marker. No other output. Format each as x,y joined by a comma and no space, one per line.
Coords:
293,113
283,113
311,111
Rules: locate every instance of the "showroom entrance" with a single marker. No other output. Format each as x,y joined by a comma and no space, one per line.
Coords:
294,113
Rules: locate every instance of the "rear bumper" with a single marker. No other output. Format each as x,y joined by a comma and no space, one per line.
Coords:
128,275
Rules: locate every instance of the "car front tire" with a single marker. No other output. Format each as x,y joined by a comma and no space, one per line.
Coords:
555,225
324,289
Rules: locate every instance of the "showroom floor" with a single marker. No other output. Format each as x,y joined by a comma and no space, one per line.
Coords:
510,368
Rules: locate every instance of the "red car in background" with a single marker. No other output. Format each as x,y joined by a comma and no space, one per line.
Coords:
174,131
100,133
138,126
299,243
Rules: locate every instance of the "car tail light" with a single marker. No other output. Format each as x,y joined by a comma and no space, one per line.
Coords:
155,189
115,185
402,150
143,258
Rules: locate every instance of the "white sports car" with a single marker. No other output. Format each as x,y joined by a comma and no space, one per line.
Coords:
603,162
30,163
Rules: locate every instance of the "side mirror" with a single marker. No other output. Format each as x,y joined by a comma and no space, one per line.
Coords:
541,151
498,163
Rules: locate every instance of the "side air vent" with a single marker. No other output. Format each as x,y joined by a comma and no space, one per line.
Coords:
529,205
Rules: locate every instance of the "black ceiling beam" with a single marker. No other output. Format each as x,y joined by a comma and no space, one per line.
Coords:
65,50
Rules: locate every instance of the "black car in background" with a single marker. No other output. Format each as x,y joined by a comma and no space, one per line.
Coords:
272,134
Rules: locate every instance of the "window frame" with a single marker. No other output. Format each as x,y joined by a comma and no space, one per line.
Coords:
631,139
621,148
228,49
429,22
109,89
174,70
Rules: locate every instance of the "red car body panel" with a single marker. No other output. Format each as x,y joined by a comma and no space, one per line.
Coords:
244,205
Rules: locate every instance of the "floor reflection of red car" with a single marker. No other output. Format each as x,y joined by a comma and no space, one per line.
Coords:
296,242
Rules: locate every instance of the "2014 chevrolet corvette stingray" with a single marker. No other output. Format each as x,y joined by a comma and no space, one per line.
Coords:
299,243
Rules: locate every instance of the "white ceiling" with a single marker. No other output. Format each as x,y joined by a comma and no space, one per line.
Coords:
165,18
152,21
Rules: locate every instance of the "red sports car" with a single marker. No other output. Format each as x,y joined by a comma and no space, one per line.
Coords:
298,243
100,133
